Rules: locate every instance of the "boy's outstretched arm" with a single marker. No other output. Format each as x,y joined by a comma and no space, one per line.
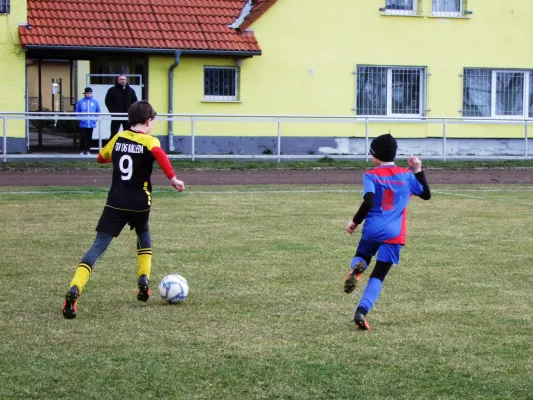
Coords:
163,161
416,166
104,156
368,202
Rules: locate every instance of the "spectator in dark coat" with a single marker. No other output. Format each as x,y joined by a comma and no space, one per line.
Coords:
117,100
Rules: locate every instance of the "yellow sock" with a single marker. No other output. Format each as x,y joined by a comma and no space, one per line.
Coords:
144,258
81,277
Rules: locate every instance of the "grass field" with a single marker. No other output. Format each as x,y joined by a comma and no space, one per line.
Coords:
266,316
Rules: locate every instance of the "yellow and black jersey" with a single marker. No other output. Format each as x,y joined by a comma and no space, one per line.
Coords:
133,161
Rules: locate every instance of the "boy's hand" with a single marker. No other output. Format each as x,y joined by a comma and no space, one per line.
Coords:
177,184
414,164
351,227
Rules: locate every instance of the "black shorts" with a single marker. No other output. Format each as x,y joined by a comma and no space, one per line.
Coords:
113,221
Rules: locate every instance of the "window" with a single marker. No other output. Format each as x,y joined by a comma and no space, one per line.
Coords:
448,8
497,93
221,84
530,95
4,6
401,7
391,91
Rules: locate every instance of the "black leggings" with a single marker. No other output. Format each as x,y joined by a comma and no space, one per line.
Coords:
380,270
102,242
86,135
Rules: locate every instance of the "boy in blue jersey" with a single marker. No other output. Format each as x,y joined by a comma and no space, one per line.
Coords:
387,190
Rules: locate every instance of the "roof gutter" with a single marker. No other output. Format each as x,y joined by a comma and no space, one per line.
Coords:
177,55
142,50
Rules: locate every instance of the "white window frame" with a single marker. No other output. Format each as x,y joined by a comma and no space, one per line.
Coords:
422,94
525,102
436,13
222,99
528,80
389,11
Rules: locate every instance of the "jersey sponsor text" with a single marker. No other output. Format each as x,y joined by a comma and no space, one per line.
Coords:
129,148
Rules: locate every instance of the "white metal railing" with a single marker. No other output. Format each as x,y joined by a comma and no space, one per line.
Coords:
279,120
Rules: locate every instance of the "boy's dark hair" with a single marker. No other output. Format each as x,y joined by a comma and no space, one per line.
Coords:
140,112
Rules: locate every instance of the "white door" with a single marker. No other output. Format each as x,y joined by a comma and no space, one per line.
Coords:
103,127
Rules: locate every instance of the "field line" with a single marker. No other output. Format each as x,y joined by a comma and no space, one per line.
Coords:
508,201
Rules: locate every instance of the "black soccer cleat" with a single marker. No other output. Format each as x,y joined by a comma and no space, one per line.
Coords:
70,305
143,294
360,321
355,274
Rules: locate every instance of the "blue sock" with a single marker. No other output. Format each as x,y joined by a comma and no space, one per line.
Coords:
371,294
356,260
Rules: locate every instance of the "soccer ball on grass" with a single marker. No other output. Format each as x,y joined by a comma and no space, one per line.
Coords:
174,288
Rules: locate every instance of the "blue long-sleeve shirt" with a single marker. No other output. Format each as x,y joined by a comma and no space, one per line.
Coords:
391,187
89,107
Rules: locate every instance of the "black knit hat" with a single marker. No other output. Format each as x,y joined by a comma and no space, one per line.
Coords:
384,148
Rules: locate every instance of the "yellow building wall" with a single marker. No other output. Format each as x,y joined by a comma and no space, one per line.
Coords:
13,67
312,47
317,60
83,69
49,70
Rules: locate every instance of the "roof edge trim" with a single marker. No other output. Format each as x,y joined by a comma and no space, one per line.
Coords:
257,11
230,53
245,12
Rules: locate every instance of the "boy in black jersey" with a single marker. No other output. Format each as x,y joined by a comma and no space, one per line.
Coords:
132,153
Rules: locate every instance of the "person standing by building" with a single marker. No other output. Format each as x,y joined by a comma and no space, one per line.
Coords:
88,106
118,99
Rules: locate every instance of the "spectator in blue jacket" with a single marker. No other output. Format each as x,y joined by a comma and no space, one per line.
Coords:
88,106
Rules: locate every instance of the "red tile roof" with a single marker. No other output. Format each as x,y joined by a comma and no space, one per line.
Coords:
151,24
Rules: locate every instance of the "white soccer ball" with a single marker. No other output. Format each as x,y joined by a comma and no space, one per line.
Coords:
174,288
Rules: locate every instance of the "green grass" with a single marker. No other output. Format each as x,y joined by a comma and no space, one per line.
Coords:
326,162
266,317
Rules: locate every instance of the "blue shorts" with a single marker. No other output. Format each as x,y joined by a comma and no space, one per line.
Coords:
386,252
